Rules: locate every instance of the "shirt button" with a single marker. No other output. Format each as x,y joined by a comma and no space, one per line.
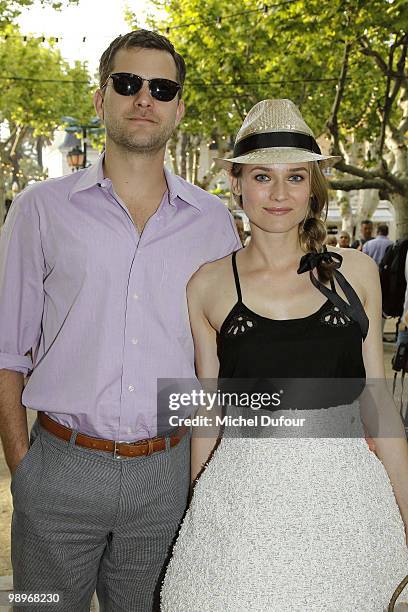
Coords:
135,296
134,340
131,388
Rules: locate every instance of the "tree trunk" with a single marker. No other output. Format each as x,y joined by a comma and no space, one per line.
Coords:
2,198
39,148
196,164
214,170
400,204
183,155
173,154
346,212
190,162
368,200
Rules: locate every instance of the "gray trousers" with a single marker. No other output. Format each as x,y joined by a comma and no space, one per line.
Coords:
84,520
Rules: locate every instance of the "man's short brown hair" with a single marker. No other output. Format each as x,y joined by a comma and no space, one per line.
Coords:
142,39
382,230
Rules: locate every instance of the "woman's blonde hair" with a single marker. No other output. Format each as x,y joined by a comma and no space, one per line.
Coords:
312,231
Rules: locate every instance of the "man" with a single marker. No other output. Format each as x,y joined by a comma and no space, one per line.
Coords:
344,240
376,247
366,234
94,268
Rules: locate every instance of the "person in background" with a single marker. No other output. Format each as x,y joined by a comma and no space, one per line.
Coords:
331,240
376,247
405,315
344,240
366,234
239,224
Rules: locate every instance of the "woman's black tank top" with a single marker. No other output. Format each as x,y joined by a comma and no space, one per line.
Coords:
324,344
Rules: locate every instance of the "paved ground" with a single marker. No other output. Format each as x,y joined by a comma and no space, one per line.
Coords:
5,498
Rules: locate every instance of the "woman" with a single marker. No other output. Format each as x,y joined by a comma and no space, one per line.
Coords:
303,522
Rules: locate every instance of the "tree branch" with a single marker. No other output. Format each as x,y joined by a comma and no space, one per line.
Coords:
367,50
388,99
380,174
403,102
400,75
391,95
351,185
401,62
399,185
239,108
332,123
403,125
355,170
10,139
19,137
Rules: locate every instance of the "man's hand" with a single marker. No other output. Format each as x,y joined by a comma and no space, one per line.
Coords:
15,463
13,418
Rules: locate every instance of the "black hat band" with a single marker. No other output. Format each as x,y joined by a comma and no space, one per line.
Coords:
270,140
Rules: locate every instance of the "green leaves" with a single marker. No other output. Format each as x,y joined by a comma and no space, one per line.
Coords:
237,55
38,87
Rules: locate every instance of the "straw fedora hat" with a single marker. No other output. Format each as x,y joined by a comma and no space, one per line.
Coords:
274,132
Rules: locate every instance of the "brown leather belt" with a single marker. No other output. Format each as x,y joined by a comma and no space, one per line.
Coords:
141,448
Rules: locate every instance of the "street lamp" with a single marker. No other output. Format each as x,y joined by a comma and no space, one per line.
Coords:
74,126
75,159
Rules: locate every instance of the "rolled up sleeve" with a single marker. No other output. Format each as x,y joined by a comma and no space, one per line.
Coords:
22,271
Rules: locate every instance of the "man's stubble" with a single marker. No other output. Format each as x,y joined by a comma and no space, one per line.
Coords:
145,144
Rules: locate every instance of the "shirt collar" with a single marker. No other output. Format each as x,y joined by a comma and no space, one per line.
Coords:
92,176
181,189
89,177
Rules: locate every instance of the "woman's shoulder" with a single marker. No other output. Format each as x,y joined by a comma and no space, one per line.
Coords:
210,275
360,270
355,262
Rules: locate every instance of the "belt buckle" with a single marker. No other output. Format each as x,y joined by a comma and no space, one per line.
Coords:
116,455
116,449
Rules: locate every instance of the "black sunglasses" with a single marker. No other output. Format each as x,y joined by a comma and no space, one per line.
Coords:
128,84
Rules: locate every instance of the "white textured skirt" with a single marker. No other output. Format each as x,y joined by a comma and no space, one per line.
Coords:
289,525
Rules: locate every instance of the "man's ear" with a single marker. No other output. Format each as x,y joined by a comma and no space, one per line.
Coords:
98,101
180,111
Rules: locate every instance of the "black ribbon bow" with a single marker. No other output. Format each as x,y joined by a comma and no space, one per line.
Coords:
312,260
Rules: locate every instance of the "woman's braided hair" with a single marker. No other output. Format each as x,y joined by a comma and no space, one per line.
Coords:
312,231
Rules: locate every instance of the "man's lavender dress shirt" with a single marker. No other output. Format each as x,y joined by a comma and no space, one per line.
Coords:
103,309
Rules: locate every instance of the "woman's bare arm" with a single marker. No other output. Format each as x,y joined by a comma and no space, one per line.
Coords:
203,438
379,413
